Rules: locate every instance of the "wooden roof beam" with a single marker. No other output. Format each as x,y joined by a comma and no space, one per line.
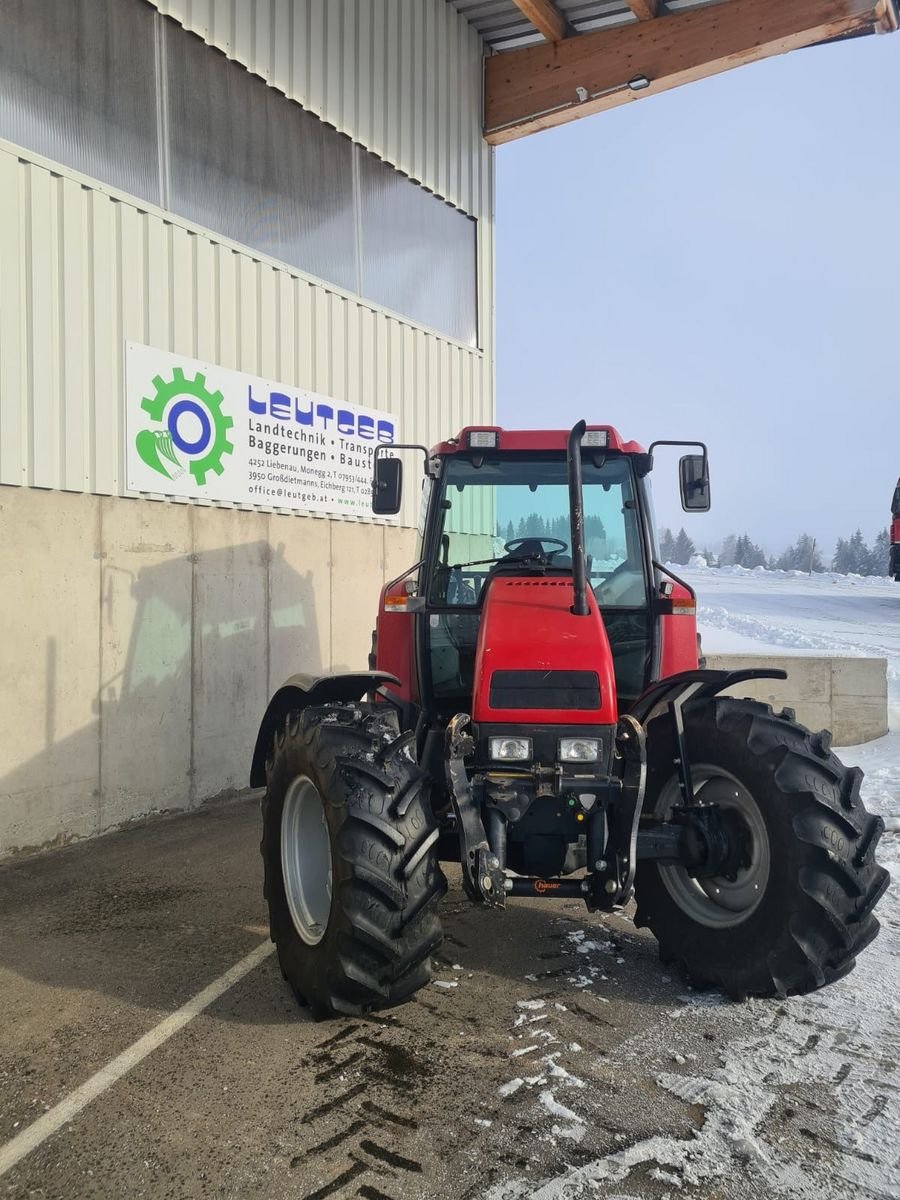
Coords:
545,17
546,85
644,10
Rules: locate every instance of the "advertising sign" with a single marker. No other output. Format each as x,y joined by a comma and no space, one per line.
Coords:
196,429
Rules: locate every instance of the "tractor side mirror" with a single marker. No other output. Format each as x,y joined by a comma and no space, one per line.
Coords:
694,480
387,486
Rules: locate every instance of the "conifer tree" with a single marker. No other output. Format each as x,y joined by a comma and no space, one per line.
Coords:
684,548
881,553
726,556
666,545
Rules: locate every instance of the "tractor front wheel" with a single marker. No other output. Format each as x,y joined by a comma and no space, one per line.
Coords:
349,852
796,912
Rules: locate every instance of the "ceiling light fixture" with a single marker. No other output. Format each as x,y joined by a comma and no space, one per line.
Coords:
639,83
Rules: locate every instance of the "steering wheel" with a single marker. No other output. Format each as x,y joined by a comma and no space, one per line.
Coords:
533,547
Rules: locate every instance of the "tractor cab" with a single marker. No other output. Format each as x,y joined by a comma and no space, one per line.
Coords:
506,516
498,506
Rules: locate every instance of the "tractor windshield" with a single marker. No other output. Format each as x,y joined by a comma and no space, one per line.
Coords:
514,508
517,508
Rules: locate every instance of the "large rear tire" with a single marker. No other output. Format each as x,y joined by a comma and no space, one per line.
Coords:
349,852
799,910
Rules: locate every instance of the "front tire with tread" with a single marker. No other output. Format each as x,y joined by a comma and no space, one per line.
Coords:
815,915
386,882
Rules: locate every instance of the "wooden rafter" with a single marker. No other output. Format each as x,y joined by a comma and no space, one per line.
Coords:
545,17
546,85
644,10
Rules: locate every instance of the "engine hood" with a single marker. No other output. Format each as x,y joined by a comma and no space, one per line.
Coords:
536,662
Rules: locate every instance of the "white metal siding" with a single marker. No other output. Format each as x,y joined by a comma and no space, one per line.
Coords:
402,77
83,269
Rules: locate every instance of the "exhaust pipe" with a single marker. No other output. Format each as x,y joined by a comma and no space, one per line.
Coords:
576,519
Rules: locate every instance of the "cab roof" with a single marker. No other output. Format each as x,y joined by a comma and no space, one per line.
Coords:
533,439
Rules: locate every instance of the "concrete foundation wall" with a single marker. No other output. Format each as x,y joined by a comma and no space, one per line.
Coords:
142,640
849,696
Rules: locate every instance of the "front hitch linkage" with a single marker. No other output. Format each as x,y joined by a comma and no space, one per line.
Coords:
483,877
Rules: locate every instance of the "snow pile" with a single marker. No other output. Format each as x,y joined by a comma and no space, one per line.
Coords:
776,636
699,563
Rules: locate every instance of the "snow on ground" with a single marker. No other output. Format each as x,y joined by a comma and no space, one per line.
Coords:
841,1044
763,612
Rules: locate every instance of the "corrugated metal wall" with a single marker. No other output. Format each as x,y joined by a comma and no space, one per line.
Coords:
403,77
84,268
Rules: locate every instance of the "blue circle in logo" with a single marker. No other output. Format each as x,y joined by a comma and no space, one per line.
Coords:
197,410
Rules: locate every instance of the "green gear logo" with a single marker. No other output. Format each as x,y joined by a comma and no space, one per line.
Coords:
171,403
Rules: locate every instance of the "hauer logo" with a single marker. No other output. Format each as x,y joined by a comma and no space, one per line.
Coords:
545,885
190,429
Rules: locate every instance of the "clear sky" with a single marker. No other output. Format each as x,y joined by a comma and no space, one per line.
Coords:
721,262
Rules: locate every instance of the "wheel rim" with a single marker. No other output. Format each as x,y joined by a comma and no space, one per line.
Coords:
306,859
718,902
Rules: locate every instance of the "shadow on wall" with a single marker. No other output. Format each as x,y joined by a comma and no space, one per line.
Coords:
191,647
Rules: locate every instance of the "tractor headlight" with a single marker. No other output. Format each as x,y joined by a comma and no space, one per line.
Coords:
579,749
509,749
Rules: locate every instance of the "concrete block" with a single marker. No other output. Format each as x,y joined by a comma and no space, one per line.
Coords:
859,721
864,677
230,647
807,689
145,658
299,597
49,631
860,699
813,716
848,696
356,573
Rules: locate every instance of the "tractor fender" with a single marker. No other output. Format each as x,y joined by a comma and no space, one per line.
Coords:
701,684
300,691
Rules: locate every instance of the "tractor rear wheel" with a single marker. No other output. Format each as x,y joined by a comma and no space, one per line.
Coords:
796,913
349,851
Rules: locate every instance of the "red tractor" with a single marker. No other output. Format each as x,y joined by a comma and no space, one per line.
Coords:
895,534
534,711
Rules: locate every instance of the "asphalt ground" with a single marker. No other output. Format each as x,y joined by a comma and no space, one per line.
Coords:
538,1047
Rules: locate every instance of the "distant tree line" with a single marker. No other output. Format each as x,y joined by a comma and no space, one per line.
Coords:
852,556
534,525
